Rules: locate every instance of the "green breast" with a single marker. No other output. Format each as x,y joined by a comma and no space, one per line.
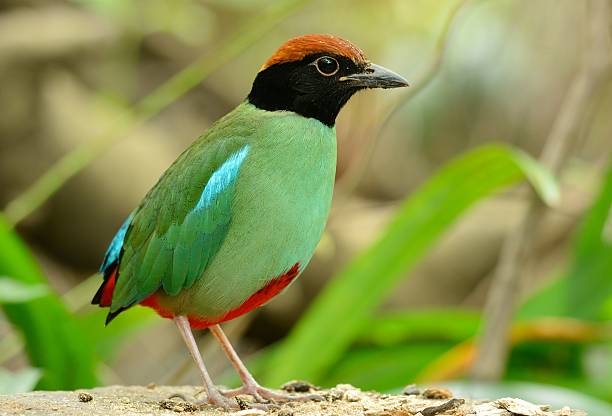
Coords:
282,201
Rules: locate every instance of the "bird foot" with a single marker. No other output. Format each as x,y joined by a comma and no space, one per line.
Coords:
214,398
265,395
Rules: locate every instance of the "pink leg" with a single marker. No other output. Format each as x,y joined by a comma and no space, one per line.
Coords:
214,396
249,385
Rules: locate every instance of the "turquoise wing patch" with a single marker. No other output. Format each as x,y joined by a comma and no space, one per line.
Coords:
181,224
114,249
198,238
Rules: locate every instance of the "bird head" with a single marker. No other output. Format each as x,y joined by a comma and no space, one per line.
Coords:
315,75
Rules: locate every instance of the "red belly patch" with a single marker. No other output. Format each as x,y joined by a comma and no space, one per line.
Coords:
257,299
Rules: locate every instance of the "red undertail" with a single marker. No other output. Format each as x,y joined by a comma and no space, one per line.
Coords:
108,288
257,299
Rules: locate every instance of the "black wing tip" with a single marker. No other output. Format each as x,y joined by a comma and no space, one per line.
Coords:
98,296
112,315
106,274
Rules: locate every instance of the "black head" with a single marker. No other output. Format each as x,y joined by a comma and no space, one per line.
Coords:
315,75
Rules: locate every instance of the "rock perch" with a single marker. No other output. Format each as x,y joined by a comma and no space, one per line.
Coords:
340,400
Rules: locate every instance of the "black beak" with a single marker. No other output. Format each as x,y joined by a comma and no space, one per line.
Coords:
376,76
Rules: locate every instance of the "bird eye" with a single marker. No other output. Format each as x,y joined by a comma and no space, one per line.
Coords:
326,65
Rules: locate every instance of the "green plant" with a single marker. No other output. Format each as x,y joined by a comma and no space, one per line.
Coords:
14,291
55,341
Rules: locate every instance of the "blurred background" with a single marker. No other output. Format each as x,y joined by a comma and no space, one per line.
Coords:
441,193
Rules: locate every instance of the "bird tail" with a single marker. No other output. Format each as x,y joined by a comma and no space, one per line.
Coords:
104,295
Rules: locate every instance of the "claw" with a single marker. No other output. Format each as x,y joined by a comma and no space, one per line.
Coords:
264,395
179,396
215,399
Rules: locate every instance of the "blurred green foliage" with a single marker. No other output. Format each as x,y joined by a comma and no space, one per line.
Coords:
14,291
582,293
55,341
589,280
67,348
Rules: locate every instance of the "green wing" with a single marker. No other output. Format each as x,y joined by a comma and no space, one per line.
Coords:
181,223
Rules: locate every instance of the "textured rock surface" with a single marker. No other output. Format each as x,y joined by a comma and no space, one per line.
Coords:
341,400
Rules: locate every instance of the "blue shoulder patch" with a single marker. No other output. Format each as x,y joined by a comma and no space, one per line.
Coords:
114,249
223,177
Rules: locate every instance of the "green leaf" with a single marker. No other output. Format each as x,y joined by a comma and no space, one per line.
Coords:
549,300
55,342
18,382
406,326
541,179
589,283
336,317
394,347
585,291
384,368
13,291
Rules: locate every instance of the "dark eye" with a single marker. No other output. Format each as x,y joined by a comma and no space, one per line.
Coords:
327,65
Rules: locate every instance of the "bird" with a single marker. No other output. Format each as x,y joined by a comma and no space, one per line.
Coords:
236,218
